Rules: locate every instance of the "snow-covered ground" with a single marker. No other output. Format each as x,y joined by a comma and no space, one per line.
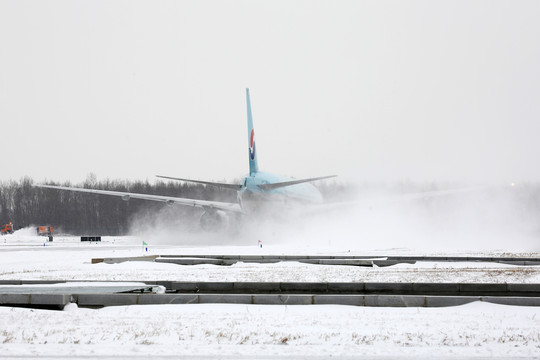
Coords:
258,331
66,258
252,331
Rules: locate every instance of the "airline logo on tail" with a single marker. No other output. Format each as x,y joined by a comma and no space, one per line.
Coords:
252,145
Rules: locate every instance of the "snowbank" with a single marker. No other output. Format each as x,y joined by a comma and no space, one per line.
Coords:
477,329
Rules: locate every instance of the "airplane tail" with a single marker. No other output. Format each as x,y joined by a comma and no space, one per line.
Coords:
253,165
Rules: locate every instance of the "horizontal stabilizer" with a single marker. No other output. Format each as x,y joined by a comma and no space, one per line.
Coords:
293,182
209,183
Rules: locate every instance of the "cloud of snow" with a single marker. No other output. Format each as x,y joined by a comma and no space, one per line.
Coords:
175,225
379,217
493,218
27,231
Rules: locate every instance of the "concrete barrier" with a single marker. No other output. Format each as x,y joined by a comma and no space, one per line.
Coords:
345,287
181,261
124,259
394,300
215,286
164,299
262,287
225,299
388,287
39,300
102,300
354,300
516,301
524,289
454,289
289,293
310,287
444,301
482,288
349,262
183,286
7,299
435,288
283,299
343,260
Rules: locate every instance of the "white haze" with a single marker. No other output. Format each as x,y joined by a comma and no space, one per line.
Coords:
487,220
492,219
369,90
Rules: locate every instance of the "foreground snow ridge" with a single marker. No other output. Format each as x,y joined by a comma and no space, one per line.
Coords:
476,329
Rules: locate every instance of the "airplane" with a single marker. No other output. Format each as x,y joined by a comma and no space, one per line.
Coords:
256,191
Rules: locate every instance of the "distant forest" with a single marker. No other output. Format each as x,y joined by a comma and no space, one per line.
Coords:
79,213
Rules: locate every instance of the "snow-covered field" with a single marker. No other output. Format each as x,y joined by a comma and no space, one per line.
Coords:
252,331
66,258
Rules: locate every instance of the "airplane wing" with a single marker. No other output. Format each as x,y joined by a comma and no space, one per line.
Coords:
169,200
292,182
235,187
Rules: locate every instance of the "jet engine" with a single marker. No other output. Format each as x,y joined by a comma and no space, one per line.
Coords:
214,220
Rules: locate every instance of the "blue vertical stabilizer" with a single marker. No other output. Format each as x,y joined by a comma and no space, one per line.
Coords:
253,166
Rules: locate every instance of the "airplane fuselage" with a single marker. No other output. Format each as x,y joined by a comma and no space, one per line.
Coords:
252,196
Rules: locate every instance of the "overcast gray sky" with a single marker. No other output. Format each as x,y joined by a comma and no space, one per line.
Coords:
368,90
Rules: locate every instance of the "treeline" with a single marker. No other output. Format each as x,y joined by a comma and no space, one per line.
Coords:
80,213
